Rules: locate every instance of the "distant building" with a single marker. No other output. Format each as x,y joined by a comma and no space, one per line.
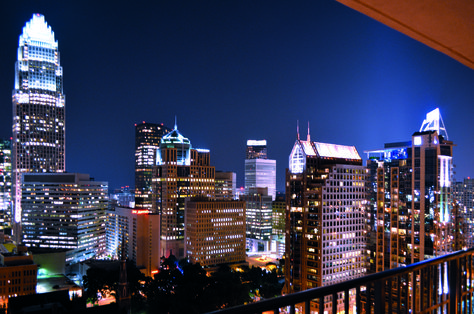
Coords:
226,183
463,194
5,184
181,172
65,210
410,197
141,232
124,197
215,231
18,273
256,149
325,216
258,217
260,172
278,226
147,142
278,217
39,124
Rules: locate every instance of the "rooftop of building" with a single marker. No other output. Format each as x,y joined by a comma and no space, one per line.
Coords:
175,137
38,30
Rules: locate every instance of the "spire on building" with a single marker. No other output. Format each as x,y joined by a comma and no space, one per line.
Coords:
308,138
298,129
123,293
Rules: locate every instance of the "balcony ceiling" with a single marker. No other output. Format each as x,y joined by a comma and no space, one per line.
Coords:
446,25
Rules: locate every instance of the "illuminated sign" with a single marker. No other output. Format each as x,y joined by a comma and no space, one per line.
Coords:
139,211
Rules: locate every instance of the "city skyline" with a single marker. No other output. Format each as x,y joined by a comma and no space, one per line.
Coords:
237,71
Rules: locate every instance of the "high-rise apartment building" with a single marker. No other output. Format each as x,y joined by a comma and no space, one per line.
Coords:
147,142
325,216
226,185
181,172
410,197
463,194
258,219
5,184
38,108
65,210
215,231
140,232
260,172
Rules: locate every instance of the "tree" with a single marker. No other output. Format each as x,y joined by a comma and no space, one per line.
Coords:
99,281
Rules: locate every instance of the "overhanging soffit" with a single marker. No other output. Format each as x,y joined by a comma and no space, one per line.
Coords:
447,26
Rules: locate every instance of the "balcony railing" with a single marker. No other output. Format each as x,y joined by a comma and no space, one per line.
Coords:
439,285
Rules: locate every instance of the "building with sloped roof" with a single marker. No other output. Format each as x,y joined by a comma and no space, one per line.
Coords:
325,216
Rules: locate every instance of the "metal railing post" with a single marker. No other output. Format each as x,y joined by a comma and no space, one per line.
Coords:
379,302
453,282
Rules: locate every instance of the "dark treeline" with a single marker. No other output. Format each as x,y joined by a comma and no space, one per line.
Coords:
182,287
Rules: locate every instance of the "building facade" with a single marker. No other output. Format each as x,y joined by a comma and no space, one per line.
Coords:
215,231
260,172
147,142
123,196
258,219
463,194
181,172
18,274
5,185
410,197
278,226
65,210
39,122
226,185
256,149
325,215
140,232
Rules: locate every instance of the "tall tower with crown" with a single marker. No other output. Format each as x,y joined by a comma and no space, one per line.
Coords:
39,124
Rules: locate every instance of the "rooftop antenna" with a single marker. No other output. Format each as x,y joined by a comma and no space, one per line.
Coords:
308,138
298,129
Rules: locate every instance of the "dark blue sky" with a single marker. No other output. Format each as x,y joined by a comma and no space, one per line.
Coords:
237,70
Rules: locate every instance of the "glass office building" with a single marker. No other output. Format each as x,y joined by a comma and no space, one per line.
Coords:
38,108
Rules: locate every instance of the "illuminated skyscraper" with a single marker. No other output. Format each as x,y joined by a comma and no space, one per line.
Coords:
325,215
5,184
258,219
260,172
147,142
181,172
410,193
38,108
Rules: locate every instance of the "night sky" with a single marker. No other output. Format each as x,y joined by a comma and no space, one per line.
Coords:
237,70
